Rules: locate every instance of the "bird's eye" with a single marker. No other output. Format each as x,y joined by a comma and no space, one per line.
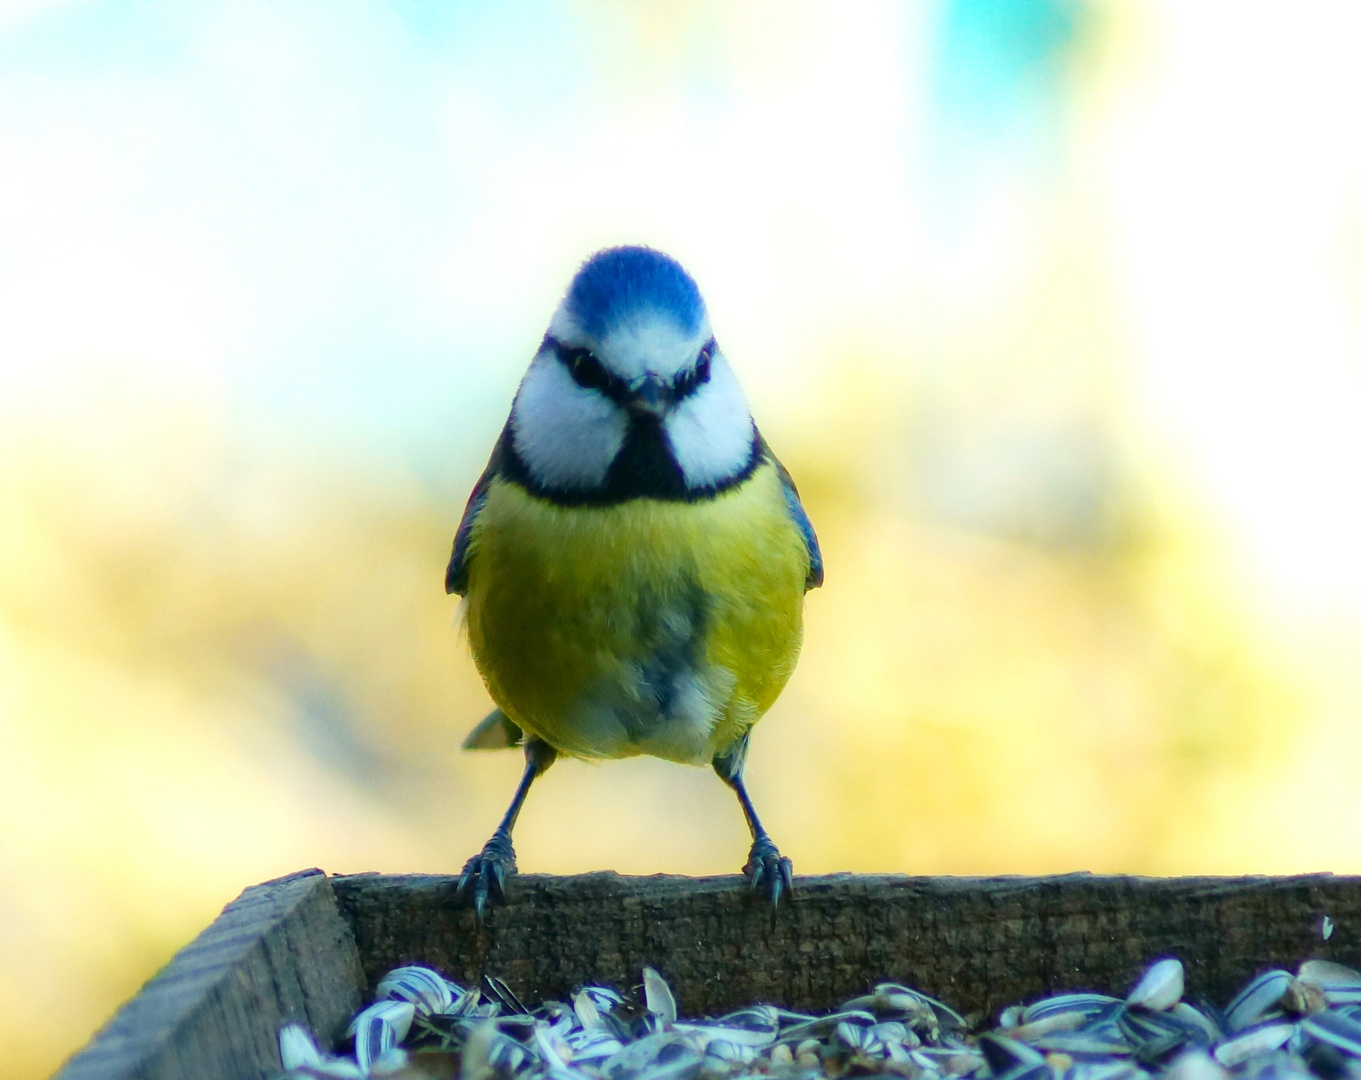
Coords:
586,370
689,381
704,362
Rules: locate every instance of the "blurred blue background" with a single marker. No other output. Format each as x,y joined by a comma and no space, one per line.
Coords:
1052,307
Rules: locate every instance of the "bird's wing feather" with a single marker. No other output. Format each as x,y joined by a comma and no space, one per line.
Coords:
496,732
800,518
456,576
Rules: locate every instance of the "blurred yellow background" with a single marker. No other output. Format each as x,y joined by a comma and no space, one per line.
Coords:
1052,307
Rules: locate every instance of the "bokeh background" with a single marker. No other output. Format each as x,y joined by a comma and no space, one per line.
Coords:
1053,308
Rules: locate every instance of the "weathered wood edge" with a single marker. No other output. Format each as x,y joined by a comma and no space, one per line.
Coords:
279,952
308,948
978,943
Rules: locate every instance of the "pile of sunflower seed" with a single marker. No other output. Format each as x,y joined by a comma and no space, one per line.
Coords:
1305,1026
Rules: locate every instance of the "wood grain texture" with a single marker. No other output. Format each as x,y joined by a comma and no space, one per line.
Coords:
278,952
308,948
977,943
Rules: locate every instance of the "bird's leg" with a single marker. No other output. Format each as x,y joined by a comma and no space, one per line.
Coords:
486,872
766,868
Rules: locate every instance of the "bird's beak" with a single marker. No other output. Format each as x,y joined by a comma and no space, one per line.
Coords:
649,396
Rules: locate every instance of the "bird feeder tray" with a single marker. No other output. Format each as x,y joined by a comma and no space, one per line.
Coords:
310,948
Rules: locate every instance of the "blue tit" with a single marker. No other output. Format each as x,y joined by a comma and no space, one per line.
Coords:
633,561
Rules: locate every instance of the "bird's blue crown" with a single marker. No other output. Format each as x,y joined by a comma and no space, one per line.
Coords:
619,282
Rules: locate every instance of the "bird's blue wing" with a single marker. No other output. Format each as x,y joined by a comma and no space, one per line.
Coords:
456,577
800,518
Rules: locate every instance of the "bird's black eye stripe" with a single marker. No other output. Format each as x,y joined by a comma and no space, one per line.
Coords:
589,373
586,369
687,382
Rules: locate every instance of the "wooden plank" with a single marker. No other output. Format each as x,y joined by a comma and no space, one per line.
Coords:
977,943
278,952
286,950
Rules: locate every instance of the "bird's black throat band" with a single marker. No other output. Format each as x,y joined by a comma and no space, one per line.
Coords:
645,464
644,468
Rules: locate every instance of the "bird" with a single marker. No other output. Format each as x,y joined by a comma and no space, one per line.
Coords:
633,561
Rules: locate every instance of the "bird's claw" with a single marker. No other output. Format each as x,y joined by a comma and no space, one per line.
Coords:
486,872
769,871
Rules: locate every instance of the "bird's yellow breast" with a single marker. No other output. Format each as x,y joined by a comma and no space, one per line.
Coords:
649,626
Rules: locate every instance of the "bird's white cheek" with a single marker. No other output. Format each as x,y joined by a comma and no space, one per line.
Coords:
711,432
566,436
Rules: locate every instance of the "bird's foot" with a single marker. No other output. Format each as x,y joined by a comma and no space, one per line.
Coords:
486,872
770,872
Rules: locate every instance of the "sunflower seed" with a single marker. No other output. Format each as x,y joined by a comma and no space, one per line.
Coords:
1047,1025
499,991
296,1047
1340,984
470,1006
1172,1027
592,1044
851,1038
1258,1040
587,1012
825,1025
606,1000
663,1056
891,1001
1003,1053
395,1014
897,1052
661,1003
380,1028
761,1020
1335,1029
945,1016
1091,1005
550,1054
425,989
1160,987
1092,1043
1206,1030
724,1051
895,1030
1326,973
1258,1000
888,1031
704,1032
